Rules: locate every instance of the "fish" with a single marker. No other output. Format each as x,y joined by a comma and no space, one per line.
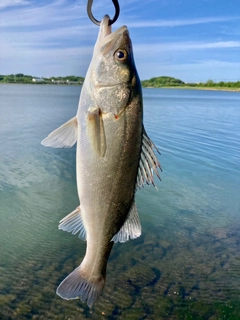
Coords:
114,158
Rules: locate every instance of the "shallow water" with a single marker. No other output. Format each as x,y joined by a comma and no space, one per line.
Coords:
186,264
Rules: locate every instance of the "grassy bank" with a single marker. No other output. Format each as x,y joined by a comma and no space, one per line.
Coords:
169,82
197,88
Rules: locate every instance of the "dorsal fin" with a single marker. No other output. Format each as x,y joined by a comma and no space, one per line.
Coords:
148,163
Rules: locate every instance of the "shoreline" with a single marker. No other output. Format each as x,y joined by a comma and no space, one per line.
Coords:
198,88
167,87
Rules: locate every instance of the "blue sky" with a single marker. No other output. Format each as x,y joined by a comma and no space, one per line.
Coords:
193,40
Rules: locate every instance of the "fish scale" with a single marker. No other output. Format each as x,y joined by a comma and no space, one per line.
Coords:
114,157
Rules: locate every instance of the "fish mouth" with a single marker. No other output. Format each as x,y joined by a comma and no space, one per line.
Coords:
106,45
105,34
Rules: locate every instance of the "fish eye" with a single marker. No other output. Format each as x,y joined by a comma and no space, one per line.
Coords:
121,55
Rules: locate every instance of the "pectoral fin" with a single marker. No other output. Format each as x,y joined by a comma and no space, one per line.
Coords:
148,163
131,228
95,131
63,137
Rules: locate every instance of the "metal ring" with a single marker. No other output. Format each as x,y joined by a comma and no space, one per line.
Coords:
97,22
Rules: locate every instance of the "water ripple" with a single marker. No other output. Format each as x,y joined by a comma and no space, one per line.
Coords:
187,259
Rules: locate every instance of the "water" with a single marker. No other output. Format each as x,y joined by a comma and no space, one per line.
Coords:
186,264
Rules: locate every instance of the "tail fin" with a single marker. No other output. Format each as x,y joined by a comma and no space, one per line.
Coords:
75,286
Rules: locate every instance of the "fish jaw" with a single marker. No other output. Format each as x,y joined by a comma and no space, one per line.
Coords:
106,36
106,69
109,80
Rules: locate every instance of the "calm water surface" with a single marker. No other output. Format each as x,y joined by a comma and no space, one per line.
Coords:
186,264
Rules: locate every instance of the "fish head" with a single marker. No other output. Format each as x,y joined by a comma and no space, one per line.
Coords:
113,72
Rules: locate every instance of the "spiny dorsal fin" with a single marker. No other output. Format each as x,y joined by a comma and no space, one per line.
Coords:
148,163
63,137
73,223
131,228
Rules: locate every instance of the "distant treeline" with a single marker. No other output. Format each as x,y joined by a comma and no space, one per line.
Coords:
162,82
156,82
23,78
212,84
165,81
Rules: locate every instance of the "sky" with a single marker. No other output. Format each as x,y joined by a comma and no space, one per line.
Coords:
192,40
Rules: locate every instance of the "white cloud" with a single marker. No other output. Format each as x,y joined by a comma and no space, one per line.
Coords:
47,62
177,23
49,14
50,37
195,71
12,3
184,46
56,37
220,63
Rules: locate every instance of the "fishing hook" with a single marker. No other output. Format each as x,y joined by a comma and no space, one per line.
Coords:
91,17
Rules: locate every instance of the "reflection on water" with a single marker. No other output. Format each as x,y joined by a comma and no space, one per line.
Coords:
185,265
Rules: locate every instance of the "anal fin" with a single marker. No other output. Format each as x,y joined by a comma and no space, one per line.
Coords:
73,223
131,228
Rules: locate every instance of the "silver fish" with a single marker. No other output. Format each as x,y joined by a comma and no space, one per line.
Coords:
114,157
